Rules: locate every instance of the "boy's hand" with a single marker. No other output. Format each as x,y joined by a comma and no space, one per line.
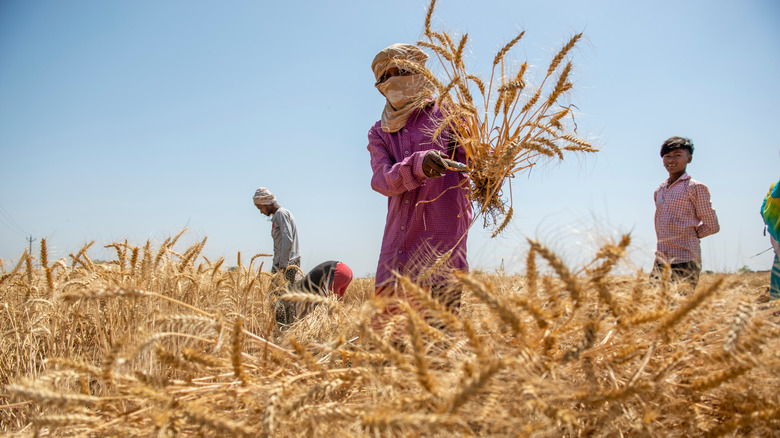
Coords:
433,165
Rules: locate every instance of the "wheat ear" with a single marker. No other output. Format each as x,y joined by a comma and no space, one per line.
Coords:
572,285
235,352
688,306
489,297
471,386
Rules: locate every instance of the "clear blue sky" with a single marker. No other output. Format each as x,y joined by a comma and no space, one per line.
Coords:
132,120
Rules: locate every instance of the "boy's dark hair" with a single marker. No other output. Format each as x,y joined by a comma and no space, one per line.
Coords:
677,143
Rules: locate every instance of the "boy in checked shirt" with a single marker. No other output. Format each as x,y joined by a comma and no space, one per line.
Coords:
683,215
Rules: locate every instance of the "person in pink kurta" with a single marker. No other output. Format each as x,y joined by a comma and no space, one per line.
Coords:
428,212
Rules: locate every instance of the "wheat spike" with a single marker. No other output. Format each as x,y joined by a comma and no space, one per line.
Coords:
133,260
584,344
688,306
562,86
304,355
49,398
199,358
490,298
424,377
740,319
572,285
719,378
563,52
55,421
428,16
235,352
501,53
223,427
444,53
471,387
173,360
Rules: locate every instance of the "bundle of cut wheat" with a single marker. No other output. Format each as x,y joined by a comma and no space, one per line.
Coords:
510,126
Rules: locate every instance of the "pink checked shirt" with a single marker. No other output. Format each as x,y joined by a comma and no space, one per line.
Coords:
683,216
424,215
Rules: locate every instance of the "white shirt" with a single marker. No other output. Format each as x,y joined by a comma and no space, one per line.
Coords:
285,236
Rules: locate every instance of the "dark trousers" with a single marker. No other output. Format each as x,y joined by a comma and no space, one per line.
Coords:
290,273
688,271
286,312
449,296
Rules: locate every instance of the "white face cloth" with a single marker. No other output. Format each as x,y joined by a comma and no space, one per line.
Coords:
404,94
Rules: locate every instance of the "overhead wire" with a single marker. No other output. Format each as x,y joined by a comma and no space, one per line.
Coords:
9,222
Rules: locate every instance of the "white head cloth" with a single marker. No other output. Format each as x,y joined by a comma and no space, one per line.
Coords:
263,196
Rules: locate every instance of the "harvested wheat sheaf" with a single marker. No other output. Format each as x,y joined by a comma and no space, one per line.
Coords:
162,344
506,123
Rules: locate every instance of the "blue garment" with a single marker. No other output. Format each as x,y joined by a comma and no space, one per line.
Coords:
770,210
774,282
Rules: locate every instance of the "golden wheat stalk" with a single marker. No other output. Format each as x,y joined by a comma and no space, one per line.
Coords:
701,296
235,353
472,386
97,294
392,423
419,354
490,298
571,282
51,398
201,416
56,421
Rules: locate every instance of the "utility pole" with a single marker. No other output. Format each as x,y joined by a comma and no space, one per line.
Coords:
31,240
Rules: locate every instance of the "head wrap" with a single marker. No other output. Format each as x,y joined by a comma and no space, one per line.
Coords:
263,196
342,276
404,94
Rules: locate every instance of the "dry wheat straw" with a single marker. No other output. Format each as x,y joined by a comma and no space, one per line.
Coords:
584,344
200,416
50,398
419,352
64,420
173,360
304,355
472,386
490,298
442,312
688,306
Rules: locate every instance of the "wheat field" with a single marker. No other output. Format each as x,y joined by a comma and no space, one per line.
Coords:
160,342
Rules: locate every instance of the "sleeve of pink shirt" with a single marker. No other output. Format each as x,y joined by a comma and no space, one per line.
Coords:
390,178
709,220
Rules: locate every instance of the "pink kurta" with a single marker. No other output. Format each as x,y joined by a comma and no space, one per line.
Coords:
415,228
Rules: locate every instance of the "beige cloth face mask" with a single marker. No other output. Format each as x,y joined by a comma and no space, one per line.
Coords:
404,94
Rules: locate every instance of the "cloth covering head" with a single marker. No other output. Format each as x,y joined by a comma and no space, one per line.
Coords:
263,196
404,94
342,276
